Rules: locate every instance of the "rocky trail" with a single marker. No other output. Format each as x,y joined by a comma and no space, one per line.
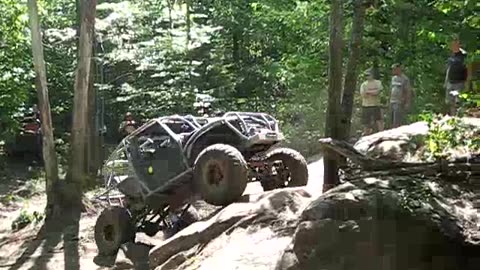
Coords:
29,248
387,215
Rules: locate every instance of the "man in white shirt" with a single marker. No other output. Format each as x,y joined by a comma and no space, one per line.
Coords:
371,105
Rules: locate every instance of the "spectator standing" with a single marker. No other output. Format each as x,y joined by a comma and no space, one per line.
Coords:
400,96
371,105
455,75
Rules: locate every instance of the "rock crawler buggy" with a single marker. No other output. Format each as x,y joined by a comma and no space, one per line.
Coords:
162,165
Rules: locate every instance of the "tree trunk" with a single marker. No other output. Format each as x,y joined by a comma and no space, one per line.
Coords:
236,47
376,69
49,154
332,125
92,143
188,20
76,173
350,84
170,3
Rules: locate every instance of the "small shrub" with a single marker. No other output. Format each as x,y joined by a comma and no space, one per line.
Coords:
447,135
9,199
26,218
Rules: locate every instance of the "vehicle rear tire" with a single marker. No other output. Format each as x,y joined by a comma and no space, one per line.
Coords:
296,165
220,174
113,228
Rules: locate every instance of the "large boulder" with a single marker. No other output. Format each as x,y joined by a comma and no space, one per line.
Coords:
398,222
395,144
248,235
390,223
406,143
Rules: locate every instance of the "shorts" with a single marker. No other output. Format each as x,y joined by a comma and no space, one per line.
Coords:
371,114
453,87
397,114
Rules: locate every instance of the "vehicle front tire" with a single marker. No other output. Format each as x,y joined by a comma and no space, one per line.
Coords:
113,228
220,174
296,166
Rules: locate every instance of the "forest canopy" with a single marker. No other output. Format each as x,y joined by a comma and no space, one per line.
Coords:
152,57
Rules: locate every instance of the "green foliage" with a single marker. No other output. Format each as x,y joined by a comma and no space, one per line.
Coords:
153,56
448,135
470,99
9,199
26,218
15,71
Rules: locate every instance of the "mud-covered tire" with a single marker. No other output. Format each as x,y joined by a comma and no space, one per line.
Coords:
113,228
220,174
296,165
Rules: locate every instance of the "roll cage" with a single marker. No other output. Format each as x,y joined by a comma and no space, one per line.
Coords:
185,132
245,127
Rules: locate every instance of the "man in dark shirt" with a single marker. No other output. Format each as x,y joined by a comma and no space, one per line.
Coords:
455,76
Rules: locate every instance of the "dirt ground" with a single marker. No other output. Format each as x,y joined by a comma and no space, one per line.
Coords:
22,194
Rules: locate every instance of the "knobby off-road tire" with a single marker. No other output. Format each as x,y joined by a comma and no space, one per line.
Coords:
296,165
113,228
220,174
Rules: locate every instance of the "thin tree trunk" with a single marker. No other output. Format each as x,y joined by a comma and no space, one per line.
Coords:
236,47
376,68
76,175
49,154
332,125
170,19
189,37
88,143
350,84
188,21
78,9
90,140
92,144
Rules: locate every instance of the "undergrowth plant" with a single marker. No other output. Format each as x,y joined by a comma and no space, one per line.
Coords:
447,135
26,218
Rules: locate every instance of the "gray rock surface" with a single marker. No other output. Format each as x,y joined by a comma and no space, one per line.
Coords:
402,143
249,235
392,222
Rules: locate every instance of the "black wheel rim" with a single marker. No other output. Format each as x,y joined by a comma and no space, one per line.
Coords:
283,174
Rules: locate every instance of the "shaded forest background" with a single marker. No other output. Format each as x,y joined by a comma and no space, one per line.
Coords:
152,57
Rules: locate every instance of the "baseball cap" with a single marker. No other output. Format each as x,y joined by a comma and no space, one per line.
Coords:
396,65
